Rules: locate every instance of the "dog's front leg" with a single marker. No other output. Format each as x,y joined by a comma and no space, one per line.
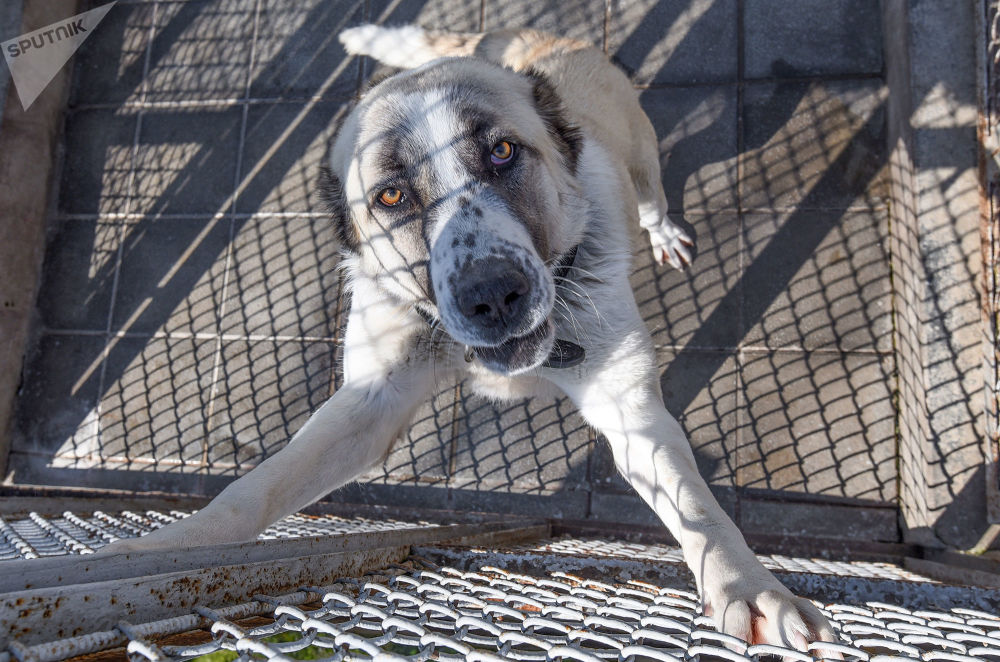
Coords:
624,402
352,431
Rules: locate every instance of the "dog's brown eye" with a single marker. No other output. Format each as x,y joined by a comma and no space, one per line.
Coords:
390,197
501,153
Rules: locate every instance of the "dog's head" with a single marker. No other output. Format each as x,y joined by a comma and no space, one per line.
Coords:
454,186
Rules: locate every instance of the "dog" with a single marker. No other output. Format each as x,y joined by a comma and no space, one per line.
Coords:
481,198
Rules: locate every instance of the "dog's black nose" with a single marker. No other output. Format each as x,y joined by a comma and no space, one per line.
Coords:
493,293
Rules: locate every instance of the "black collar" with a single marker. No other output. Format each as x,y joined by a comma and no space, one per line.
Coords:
565,354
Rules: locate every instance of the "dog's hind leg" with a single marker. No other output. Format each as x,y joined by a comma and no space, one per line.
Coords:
669,242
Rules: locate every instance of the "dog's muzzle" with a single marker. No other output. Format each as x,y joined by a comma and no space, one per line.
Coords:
493,298
496,303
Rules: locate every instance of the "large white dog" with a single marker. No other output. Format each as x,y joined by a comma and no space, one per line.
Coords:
481,198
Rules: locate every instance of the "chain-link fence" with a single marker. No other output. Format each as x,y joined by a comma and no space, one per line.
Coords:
186,221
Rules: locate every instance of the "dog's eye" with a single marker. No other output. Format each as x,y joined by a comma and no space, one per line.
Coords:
390,197
502,153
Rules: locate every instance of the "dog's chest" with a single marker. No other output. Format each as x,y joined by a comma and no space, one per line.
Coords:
490,385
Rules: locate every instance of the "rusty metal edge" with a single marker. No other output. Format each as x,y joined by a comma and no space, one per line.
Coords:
108,639
92,608
61,612
953,573
51,571
504,536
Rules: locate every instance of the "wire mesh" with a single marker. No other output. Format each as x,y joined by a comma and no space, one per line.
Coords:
419,611
603,548
38,536
452,603
188,222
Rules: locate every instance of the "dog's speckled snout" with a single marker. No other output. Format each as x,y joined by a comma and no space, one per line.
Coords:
493,295
489,283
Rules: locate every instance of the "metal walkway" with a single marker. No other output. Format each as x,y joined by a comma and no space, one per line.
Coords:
327,587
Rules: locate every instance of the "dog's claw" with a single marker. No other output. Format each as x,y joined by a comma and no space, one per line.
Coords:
677,256
776,617
670,244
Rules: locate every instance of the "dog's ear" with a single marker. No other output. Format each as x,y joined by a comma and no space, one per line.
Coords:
567,136
331,192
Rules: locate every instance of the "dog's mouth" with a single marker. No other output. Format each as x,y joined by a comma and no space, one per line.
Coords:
520,353
540,347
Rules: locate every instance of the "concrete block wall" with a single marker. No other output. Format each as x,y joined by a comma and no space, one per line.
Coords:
935,243
823,352
29,152
10,26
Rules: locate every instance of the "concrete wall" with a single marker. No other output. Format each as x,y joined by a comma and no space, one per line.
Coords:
10,26
933,238
28,151
935,218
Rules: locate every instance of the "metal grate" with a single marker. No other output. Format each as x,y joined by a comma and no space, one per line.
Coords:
496,591
418,611
594,547
37,536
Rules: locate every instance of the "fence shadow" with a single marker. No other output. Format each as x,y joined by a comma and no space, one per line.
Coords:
191,310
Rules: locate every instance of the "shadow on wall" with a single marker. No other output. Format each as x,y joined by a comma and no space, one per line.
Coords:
191,310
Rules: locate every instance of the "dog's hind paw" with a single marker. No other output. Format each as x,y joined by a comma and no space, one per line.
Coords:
773,616
670,244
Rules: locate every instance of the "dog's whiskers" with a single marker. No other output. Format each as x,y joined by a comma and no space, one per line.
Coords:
580,293
581,332
589,274
568,316
436,342
579,289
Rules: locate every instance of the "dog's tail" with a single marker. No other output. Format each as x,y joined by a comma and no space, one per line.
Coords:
407,46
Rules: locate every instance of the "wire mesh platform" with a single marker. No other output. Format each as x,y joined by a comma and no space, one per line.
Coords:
418,611
426,611
37,536
596,547
357,589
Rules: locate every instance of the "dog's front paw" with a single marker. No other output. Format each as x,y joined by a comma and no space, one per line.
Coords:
125,545
765,612
181,534
670,244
